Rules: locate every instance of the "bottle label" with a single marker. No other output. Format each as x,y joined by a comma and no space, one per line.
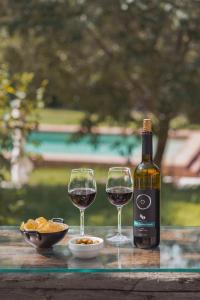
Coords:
146,211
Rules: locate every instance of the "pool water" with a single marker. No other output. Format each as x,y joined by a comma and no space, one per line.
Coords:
109,145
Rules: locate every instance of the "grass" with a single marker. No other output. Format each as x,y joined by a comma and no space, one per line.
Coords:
73,117
66,117
46,195
60,116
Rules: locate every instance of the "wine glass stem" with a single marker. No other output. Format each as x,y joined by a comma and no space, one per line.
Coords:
119,210
82,222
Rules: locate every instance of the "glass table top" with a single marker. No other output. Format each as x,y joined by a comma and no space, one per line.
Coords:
179,251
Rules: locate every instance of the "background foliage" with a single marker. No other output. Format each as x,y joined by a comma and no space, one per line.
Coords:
17,87
129,58
112,62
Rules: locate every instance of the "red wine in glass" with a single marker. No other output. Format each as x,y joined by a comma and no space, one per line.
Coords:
82,197
119,195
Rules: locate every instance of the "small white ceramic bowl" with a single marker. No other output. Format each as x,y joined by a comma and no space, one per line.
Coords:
85,250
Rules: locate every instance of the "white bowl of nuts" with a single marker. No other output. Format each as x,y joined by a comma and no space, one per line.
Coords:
85,246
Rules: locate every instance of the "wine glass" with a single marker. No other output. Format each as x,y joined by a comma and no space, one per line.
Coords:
82,191
119,190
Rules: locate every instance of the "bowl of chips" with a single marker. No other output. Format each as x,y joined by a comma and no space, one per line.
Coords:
43,233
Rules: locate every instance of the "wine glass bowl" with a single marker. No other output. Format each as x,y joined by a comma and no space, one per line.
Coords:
82,197
119,195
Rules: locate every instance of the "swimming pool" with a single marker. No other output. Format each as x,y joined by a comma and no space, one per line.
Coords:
41,142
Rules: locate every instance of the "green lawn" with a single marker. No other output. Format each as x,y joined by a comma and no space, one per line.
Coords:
46,195
69,117
66,117
60,116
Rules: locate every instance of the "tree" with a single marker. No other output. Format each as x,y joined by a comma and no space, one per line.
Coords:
113,58
19,105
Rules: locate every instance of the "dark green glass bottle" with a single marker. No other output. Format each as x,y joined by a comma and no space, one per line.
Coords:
146,227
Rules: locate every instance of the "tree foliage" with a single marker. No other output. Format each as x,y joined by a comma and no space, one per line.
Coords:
17,87
112,58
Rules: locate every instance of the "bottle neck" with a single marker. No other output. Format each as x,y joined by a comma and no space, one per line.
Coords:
147,147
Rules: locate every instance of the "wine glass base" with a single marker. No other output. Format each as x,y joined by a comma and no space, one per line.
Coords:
118,239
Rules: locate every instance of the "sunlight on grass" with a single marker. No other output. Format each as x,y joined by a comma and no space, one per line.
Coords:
73,117
181,213
53,176
60,116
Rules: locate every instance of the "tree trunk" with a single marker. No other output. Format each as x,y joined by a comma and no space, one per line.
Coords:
162,140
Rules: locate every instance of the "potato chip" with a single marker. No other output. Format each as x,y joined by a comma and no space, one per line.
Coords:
41,220
44,229
30,225
22,226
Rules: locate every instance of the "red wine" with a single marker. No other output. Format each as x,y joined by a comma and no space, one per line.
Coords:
119,195
82,197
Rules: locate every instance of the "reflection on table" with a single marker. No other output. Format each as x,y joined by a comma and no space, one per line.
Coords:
179,251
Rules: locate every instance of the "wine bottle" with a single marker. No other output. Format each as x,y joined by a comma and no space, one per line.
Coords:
146,227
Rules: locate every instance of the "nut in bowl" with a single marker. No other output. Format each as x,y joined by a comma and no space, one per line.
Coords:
42,233
86,247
